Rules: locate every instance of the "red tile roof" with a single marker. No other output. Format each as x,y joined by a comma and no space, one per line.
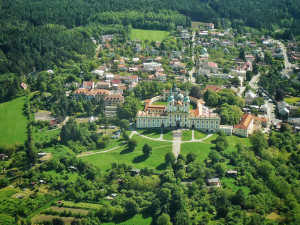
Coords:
245,122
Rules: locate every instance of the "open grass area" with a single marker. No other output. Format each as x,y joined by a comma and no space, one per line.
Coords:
13,122
232,184
81,205
160,103
168,135
292,100
153,133
186,135
199,135
139,219
135,158
200,149
73,210
7,192
151,35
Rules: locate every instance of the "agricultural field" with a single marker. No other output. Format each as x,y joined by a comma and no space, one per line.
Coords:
43,217
292,100
135,158
13,122
150,35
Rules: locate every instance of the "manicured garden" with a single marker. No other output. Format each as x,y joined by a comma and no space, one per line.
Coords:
135,158
199,135
13,122
150,35
152,133
168,135
186,135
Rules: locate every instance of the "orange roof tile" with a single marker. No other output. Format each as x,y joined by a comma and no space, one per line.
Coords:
245,122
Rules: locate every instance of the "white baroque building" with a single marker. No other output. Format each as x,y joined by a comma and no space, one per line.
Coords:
177,113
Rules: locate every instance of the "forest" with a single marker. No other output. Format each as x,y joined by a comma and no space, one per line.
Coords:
40,35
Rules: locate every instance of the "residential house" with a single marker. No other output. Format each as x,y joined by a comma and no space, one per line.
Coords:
283,109
210,26
245,127
113,100
214,182
249,97
109,76
88,85
103,85
226,129
100,94
231,173
132,86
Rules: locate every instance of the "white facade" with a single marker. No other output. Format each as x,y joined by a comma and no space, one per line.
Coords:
177,113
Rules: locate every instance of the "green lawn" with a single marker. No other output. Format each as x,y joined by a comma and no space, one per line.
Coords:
81,205
200,149
139,219
13,122
168,135
135,158
151,35
153,133
232,184
160,103
186,135
199,135
292,100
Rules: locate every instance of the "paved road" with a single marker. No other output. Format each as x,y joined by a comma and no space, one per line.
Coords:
176,142
287,64
191,72
253,81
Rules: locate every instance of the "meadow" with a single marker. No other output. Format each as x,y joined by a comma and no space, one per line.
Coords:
150,35
13,122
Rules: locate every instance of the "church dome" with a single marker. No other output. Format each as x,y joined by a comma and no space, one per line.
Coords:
179,97
186,99
170,98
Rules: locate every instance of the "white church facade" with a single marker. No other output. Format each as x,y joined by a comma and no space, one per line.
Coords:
177,114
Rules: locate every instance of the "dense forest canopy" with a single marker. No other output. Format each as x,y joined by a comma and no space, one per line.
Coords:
42,34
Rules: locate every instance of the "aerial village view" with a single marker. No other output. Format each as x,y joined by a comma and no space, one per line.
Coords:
184,113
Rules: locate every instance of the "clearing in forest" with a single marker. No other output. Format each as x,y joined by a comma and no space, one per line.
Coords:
150,35
13,122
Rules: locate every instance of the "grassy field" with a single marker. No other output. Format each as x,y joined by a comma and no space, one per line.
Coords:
199,135
73,210
186,135
160,103
13,122
168,135
135,158
151,35
292,100
81,205
153,133
200,149
139,219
